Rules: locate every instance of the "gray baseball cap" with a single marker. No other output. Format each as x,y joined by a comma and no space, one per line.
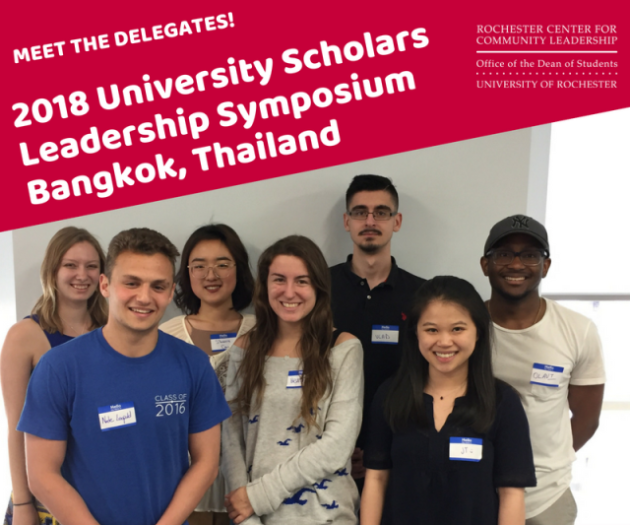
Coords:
517,224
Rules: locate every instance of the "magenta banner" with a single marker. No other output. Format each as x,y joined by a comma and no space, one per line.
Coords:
116,104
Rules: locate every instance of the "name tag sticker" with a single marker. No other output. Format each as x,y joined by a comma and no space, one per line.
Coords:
294,379
116,416
546,375
383,334
221,342
465,449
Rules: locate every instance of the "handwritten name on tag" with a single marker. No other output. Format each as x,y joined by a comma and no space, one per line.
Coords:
546,375
465,449
221,342
385,334
294,379
116,416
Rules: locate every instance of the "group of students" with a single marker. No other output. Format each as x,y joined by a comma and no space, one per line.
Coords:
123,424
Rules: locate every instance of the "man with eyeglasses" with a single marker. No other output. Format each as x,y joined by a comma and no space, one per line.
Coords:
371,295
551,355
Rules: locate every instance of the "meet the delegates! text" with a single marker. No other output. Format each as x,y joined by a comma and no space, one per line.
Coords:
122,38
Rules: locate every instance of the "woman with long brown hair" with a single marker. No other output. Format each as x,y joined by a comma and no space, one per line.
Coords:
296,389
69,306
447,442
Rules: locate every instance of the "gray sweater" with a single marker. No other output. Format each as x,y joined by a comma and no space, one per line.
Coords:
291,475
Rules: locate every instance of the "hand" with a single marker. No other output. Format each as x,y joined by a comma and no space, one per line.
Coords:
358,470
25,515
238,506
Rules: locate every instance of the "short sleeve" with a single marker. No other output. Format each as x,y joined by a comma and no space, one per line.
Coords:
513,457
209,407
589,368
46,412
377,453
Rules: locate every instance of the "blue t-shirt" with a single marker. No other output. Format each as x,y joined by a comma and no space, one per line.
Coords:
126,420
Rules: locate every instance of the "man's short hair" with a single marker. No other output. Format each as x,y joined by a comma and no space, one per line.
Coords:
371,183
143,241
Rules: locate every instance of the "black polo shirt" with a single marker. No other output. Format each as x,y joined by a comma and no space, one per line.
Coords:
357,309
429,485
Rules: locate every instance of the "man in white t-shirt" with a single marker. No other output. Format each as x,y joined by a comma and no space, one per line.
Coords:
551,355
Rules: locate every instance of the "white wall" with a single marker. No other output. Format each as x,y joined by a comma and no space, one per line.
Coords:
450,197
7,318
539,173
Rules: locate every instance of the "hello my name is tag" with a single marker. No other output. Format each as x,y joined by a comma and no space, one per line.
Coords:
546,375
116,416
221,342
383,334
465,449
294,379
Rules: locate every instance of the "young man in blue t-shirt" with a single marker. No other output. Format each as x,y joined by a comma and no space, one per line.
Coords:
111,416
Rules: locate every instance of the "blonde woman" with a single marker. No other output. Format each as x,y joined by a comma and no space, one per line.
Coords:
70,306
214,284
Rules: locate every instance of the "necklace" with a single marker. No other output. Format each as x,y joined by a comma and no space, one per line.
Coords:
537,316
540,305
449,393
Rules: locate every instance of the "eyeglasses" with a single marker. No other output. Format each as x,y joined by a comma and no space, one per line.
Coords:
527,257
381,214
201,271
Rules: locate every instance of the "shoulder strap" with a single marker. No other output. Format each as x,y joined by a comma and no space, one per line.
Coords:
33,317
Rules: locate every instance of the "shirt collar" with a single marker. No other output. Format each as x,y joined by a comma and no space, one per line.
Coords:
392,278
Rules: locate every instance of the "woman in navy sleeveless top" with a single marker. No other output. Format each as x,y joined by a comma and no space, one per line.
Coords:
54,338
70,305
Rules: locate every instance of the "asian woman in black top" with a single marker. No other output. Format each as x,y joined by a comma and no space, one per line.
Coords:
448,443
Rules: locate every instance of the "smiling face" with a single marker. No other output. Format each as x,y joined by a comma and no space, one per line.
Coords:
515,281
291,294
447,336
367,234
214,290
139,290
78,274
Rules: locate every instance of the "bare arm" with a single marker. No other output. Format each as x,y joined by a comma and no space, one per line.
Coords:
44,458
204,467
585,403
511,506
23,345
373,496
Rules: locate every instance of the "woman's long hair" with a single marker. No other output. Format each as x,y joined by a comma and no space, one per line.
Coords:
316,338
46,306
185,298
404,404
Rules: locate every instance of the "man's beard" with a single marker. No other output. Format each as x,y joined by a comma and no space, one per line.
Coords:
370,248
